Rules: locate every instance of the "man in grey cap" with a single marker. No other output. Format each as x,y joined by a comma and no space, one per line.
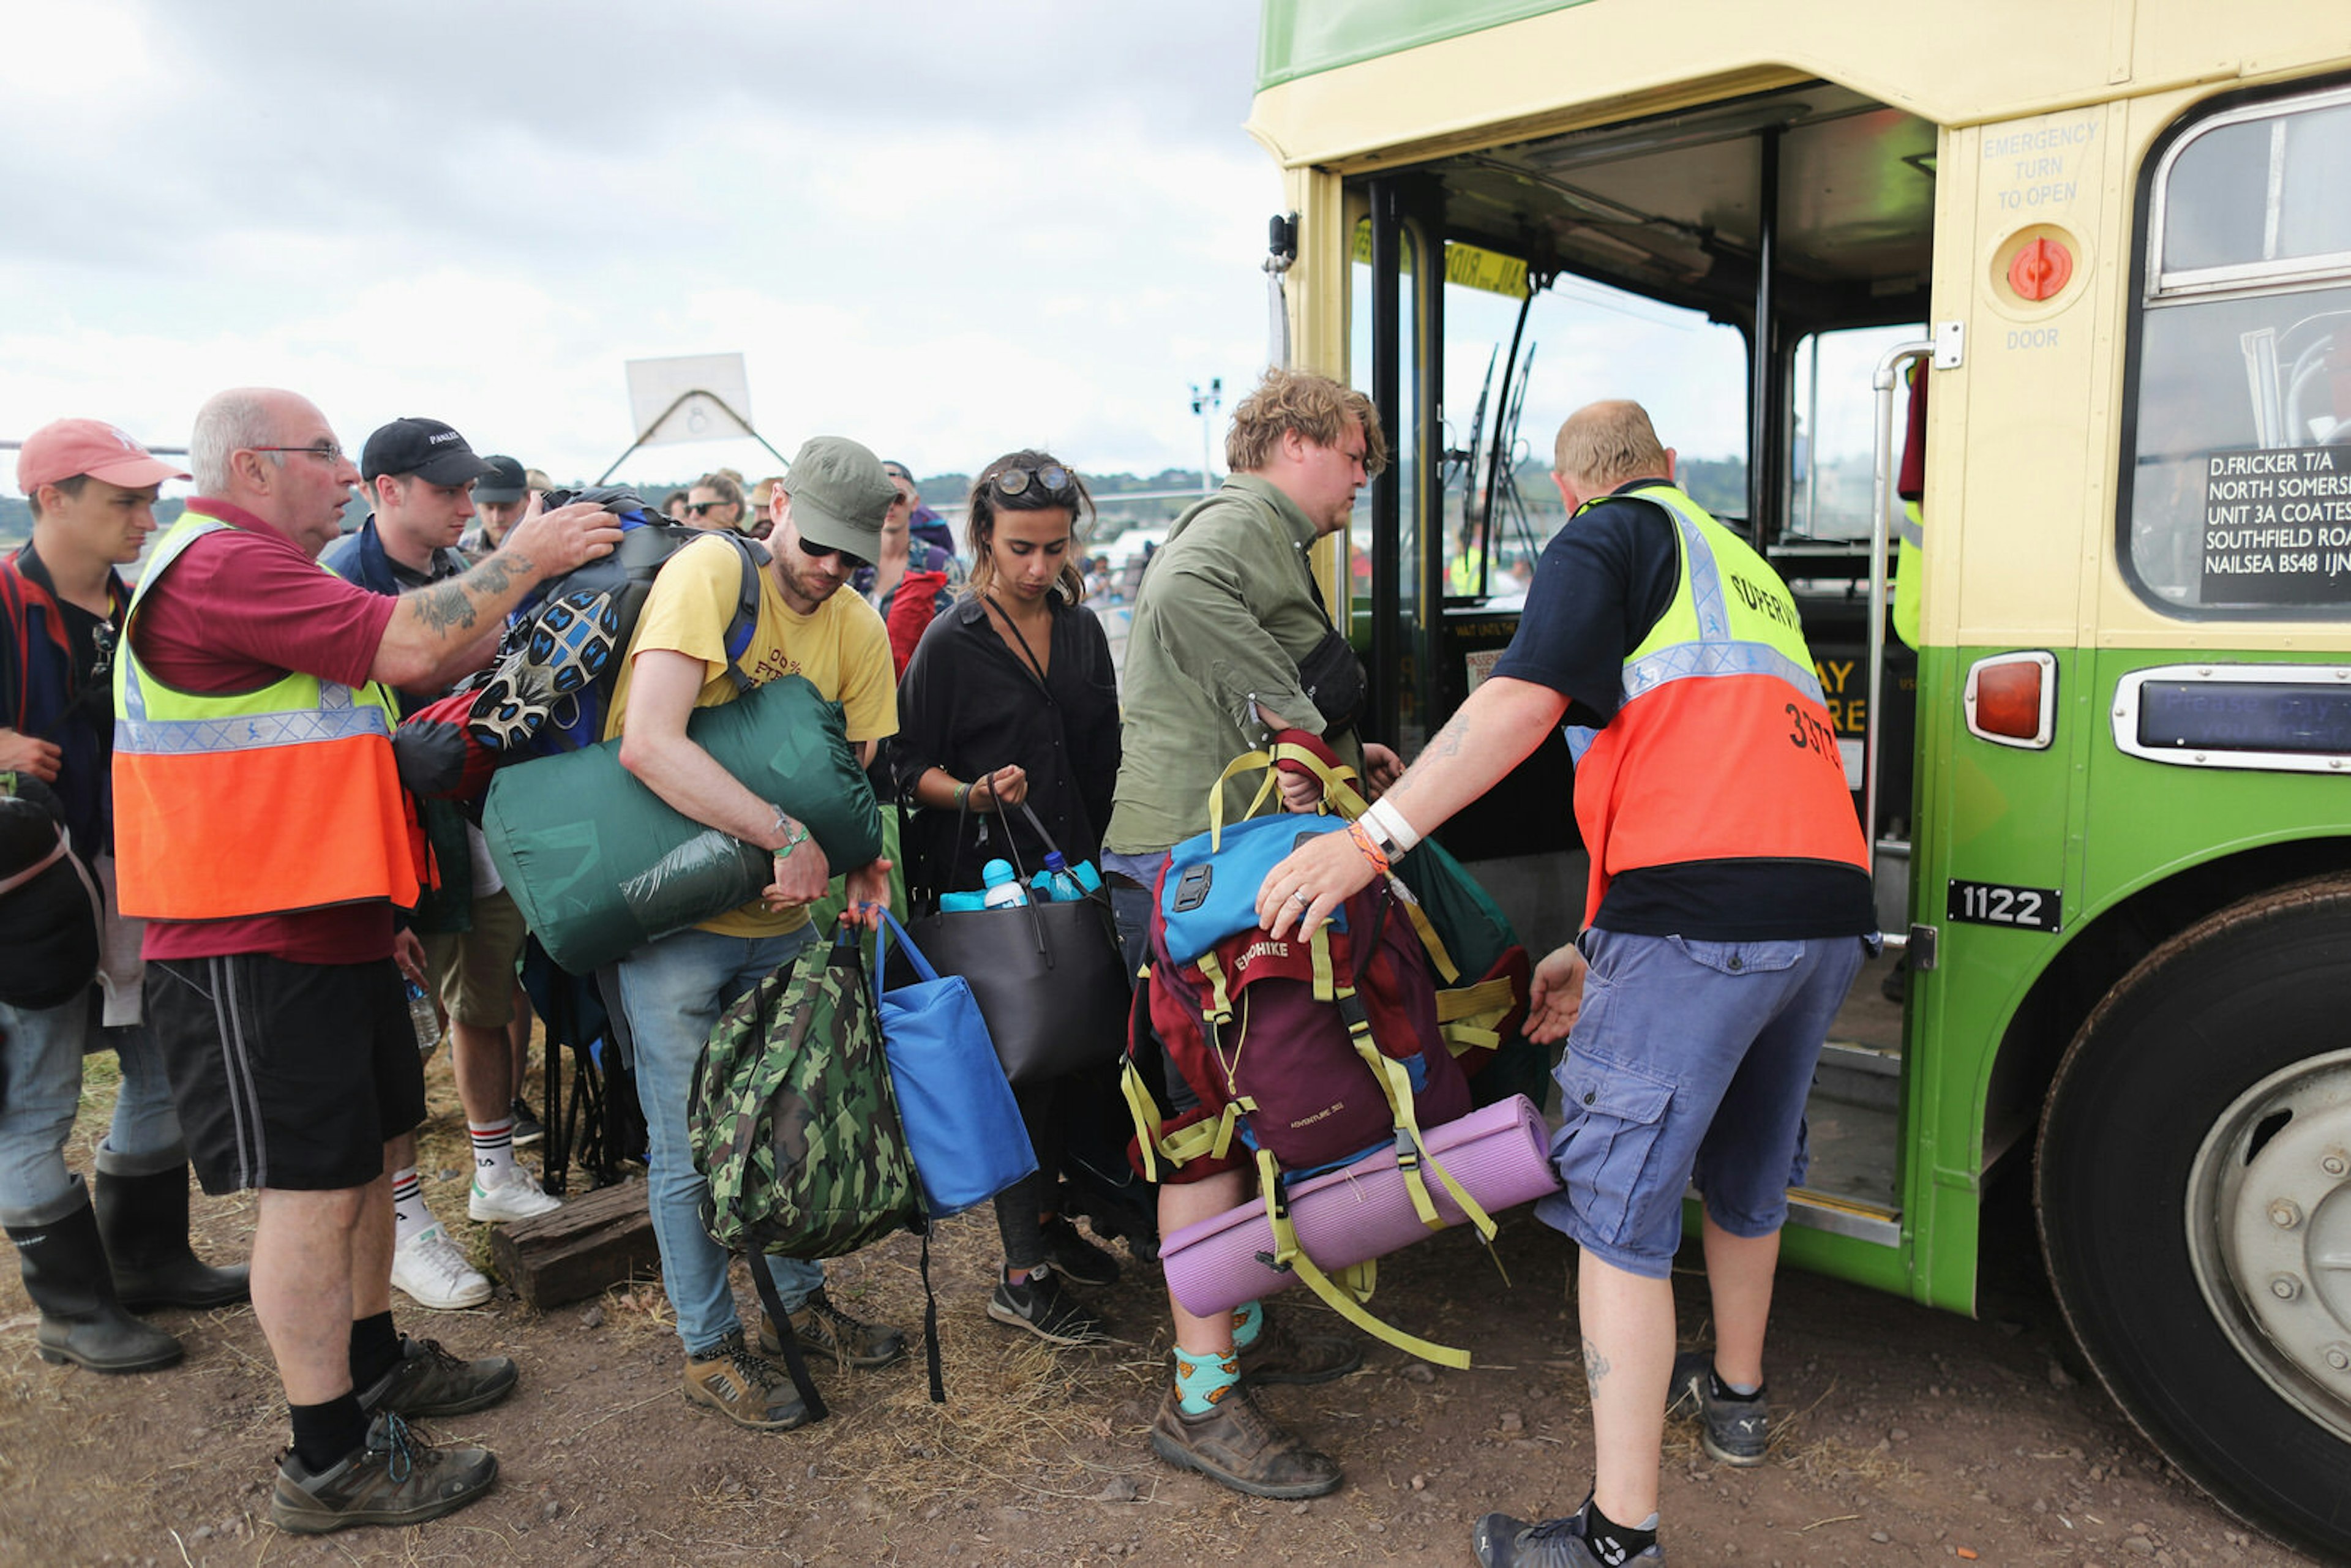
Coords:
499,497
828,523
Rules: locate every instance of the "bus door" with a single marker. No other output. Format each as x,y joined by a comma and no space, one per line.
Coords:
1739,268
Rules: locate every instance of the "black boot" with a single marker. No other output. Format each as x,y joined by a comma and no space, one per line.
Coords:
81,1321
144,1220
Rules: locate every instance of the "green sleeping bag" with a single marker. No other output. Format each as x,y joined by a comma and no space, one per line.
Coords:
600,864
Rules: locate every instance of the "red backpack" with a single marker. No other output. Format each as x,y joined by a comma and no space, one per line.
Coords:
1306,1054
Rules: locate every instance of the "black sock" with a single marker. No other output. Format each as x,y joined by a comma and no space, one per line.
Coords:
324,1435
1721,1390
1610,1542
375,1348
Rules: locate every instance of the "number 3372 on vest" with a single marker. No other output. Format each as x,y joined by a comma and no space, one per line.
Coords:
1998,904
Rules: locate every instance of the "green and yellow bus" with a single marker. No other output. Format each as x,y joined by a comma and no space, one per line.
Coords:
2108,788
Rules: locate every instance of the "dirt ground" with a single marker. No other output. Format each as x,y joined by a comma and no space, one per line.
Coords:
1904,1436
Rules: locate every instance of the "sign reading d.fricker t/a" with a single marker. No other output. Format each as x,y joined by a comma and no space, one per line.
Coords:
2277,527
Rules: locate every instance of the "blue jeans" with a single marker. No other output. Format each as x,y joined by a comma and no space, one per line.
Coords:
40,1090
1690,1059
673,991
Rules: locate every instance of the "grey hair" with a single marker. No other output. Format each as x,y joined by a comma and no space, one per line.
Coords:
230,421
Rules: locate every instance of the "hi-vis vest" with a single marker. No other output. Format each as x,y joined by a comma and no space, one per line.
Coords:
1722,747
253,802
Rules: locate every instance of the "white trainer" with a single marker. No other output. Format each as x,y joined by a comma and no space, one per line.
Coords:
434,1273
516,1195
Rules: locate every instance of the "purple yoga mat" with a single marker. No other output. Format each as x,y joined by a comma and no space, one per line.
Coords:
1499,1155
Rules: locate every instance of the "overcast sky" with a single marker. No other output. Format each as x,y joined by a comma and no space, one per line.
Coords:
946,229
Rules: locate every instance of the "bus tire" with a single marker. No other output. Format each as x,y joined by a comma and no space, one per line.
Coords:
2191,1176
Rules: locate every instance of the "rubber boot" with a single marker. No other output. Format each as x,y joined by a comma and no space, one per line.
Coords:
81,1321
144,1222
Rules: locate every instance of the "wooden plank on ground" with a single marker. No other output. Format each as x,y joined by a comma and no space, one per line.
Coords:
595,1241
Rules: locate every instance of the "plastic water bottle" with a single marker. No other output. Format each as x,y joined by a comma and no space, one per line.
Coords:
424,1018
1066,888
1004,889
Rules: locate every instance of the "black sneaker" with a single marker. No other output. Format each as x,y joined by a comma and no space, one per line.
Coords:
1501,1542
1038,1305
394,1479
527,1128
428,1381
1736,1431
825,1330
1074,1257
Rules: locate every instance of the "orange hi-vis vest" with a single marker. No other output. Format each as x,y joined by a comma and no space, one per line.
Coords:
1721,747
248,803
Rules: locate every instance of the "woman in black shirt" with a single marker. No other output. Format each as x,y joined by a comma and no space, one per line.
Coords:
1010,698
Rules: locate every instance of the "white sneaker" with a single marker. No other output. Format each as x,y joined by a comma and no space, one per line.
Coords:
434,1273
516,1195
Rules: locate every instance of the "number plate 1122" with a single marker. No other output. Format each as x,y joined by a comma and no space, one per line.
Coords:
1997,904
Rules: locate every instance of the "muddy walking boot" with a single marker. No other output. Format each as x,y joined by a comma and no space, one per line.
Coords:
1236,1445
143,1221
82,1321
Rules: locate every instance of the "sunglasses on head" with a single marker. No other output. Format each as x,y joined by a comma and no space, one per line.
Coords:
1052,479
826,552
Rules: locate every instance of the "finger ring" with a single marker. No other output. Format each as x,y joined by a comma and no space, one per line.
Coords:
1302,896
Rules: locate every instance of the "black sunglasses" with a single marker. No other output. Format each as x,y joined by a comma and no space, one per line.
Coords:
704,508
823,552
1052,479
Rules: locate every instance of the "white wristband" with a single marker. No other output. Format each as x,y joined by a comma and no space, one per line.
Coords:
1386,824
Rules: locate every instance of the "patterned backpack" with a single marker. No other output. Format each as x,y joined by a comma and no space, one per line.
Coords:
795,1127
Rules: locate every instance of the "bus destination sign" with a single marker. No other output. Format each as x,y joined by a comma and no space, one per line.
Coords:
2277,527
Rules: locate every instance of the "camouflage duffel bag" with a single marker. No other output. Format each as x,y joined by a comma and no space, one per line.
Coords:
795,1128
792,1120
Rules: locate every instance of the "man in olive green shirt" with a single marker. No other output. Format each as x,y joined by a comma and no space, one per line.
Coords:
1230,641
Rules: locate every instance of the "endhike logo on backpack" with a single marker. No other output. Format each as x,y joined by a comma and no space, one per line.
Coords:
550,688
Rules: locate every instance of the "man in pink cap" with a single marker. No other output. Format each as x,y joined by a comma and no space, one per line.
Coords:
92,490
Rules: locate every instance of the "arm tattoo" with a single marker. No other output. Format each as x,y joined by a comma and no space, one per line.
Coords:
445,605
1595,1367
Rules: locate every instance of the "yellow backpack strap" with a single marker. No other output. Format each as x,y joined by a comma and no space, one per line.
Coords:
1220,1003
1412,1152
1466,1015
1326,980
1145,1112
1287,1254
1338,791
1448,971
1245,762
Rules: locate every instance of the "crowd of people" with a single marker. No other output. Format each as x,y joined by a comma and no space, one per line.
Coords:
223,747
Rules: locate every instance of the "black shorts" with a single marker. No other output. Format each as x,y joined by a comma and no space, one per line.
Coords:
286,1075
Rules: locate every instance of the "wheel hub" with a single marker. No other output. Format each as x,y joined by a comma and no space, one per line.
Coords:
2269,1231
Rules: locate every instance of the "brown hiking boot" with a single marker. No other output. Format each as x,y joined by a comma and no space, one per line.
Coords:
1238,1445
744,1388
394,1479
825,1330
1280,1355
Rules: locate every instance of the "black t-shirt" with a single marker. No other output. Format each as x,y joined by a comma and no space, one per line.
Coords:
1599,588
970,703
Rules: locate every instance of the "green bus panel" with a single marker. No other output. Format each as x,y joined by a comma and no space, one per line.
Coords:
1300,38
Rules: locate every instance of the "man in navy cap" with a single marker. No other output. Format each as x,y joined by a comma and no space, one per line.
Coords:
499,497
421,477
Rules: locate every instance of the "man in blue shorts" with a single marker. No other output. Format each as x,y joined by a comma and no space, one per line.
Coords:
1729,906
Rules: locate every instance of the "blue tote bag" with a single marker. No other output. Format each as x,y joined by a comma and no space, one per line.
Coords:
962,1123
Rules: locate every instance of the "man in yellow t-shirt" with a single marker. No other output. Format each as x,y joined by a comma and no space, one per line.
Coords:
827,524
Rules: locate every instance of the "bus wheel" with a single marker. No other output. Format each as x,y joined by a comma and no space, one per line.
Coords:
2193,1181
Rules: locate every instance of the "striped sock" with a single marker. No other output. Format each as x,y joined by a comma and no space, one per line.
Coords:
493,1150
410,1218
